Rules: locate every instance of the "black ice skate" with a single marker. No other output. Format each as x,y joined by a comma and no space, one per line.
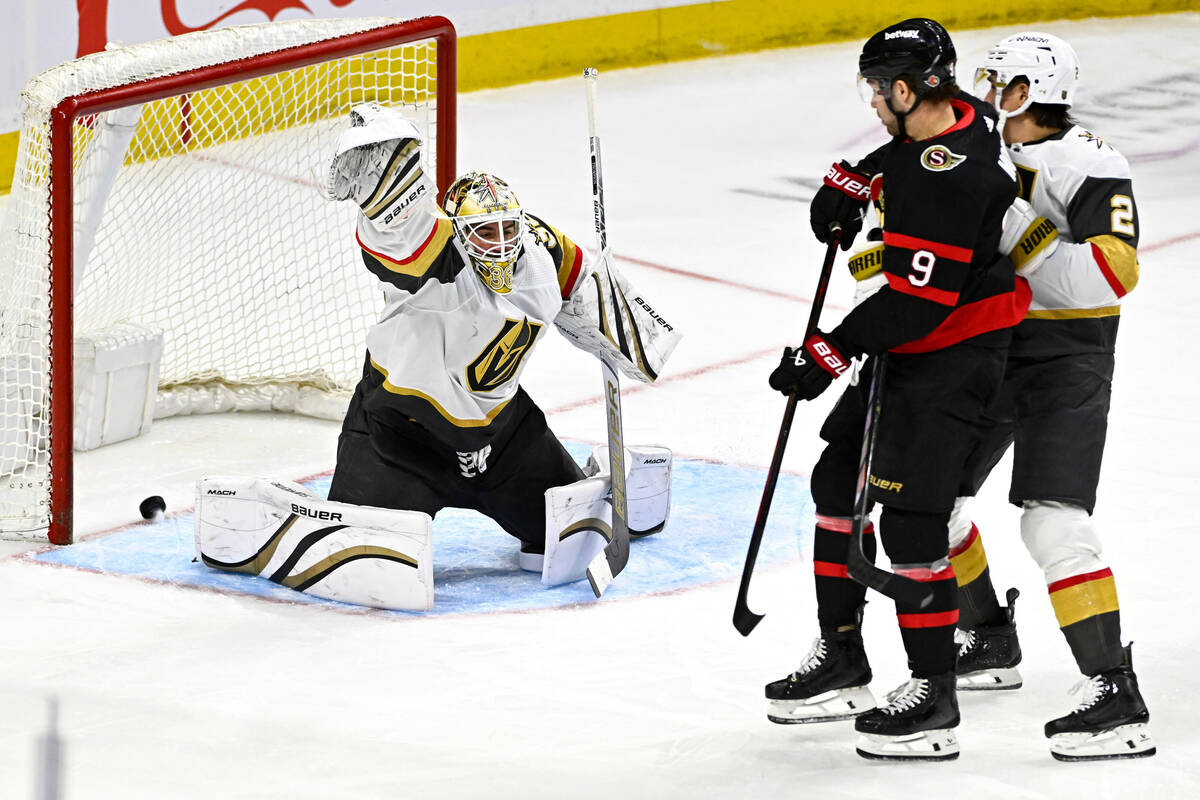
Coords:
830,684
917,724
988,655
1110,722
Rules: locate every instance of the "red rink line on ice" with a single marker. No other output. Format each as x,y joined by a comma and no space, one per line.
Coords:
1187,237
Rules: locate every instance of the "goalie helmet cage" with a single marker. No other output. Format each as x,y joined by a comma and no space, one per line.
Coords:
175,186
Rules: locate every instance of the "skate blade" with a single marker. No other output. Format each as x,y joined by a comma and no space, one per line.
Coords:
832,706
990,680
935,745
1123,741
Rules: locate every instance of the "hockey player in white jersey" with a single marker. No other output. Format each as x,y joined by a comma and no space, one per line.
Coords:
439,418
1076,245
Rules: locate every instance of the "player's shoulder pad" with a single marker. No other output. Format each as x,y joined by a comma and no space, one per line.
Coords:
566,255
1092,155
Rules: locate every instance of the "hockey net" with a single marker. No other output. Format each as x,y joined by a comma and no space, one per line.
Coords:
172,186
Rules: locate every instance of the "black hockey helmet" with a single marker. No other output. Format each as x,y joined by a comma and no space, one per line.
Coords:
919,48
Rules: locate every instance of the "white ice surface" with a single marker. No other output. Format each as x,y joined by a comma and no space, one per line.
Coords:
174,693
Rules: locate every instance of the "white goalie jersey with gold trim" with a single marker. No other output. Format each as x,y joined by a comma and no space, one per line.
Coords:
1083,186
448,352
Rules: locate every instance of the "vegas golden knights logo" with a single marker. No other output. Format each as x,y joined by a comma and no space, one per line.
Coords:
501,359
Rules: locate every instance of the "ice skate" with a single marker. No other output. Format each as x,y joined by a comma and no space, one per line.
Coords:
1111,721
989,654
830,684
917,724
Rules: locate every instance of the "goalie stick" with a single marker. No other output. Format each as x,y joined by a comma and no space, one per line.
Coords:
900,588
743,618
609,562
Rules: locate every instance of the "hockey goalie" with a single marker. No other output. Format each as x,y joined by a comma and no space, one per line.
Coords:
439,418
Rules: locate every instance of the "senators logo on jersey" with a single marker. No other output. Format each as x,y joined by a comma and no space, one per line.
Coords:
501,359
939,158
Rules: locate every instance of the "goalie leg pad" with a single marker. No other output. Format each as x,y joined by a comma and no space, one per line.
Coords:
377,557
578,526
647,485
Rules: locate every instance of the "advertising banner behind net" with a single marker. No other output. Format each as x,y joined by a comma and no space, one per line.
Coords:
48,32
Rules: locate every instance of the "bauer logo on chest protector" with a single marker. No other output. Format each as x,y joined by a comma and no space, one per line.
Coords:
501,360
939,158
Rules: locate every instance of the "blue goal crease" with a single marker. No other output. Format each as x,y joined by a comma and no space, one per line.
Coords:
713,508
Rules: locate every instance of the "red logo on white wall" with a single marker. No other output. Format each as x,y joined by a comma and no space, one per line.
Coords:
93,18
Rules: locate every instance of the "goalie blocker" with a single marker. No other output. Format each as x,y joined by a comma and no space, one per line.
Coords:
279,530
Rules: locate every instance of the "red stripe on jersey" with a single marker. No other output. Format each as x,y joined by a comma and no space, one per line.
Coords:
934,619
965,545
964,322
899,284
1107,272
939,249
569,284
416,254
1075,580
827,569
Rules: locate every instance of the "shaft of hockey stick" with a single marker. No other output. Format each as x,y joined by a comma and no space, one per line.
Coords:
902,589
609,563
743,618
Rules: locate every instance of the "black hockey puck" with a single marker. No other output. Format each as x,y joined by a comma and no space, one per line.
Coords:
152,507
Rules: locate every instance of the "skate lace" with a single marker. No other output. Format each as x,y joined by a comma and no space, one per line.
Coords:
1092,690
965,639
816,655
906,696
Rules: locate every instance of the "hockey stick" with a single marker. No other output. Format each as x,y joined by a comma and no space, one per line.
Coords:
902,589
743,618
609,563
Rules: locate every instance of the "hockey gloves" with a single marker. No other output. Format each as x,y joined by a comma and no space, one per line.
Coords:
842,199
807,371
1027,238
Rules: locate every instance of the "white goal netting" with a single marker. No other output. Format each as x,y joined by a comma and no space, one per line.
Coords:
196,212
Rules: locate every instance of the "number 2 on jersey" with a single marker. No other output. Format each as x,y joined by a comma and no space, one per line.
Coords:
1122,215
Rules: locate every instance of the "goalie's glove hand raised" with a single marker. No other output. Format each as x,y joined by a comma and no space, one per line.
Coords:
842,200
807,371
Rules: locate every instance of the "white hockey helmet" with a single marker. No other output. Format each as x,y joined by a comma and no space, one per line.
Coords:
377,163
1047,63
489,224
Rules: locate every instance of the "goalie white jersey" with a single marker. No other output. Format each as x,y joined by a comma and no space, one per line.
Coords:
448,352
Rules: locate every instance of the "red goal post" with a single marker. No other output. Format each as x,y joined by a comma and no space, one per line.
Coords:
173,187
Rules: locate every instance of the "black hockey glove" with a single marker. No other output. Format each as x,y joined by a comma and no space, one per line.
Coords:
843,199
807,371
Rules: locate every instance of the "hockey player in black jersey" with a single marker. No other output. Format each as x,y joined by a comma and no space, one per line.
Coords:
941,188
1077,246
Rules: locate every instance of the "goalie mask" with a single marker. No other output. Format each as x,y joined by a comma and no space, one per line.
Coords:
377,163
1044,61
489,224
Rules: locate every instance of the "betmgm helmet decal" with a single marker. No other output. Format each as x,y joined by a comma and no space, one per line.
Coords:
919,49
489,224
1044,61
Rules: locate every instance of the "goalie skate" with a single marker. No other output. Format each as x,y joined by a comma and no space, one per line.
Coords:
829,685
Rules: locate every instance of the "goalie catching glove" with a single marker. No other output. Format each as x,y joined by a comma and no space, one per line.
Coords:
378,164
807,371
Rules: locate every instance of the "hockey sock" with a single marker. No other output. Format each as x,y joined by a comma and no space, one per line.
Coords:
1090,619
977,602
916,543
838,597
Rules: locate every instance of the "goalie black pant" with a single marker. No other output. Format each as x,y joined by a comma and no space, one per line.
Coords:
401,465
930,421
1054,411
